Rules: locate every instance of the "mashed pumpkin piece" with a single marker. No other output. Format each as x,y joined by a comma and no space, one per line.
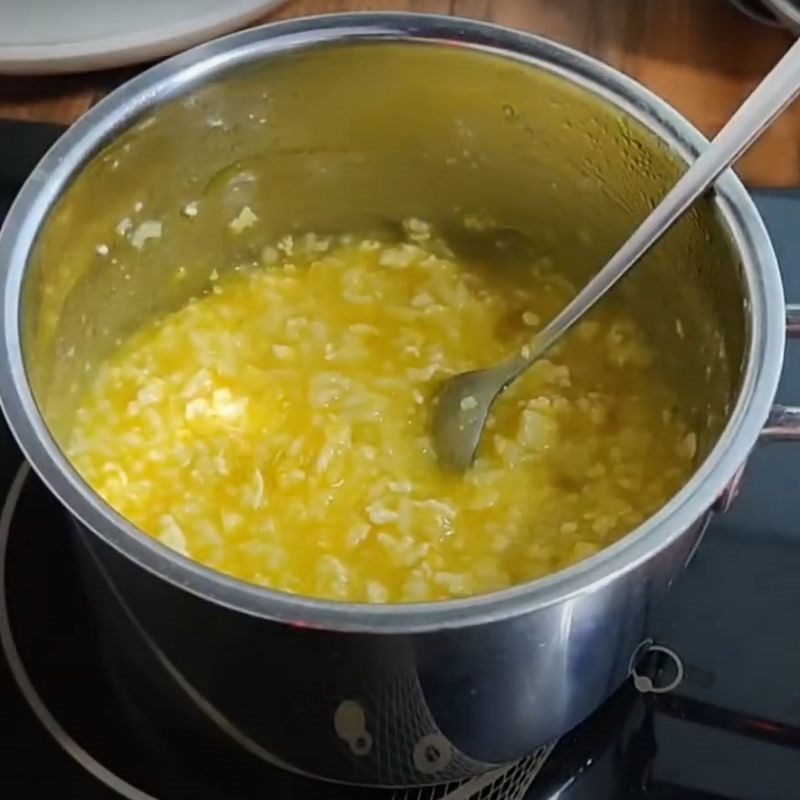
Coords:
278,428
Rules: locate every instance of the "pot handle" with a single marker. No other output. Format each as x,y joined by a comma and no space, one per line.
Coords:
793,320
783,423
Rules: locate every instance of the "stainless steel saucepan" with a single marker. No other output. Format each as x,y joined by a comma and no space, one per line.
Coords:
348,123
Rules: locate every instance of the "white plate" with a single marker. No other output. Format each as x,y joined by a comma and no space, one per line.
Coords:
788,11
755,10
52,36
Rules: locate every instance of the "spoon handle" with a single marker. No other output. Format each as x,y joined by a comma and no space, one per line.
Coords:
769,98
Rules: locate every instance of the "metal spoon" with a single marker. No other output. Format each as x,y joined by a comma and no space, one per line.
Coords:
463,404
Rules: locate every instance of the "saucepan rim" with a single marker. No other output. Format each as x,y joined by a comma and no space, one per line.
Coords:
176,76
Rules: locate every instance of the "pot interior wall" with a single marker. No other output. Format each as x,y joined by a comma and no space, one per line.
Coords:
356,138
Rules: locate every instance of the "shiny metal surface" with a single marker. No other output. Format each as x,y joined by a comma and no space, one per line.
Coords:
783,424
458,426
755,10
787,11
486,695
491,678
793,320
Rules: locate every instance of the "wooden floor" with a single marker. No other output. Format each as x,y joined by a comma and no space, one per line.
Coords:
703,56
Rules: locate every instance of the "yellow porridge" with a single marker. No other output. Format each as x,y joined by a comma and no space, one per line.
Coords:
278,428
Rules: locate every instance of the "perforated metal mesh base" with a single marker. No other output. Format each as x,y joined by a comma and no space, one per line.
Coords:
505,783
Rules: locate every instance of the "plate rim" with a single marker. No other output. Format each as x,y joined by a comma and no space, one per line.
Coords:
763,14
124,49
786,11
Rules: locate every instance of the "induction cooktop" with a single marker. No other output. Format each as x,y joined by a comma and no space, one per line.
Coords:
714,715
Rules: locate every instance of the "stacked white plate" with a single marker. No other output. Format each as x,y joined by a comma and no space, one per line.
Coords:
788,11
756,10
51,36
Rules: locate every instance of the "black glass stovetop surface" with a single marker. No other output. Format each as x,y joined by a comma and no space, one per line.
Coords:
729,731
